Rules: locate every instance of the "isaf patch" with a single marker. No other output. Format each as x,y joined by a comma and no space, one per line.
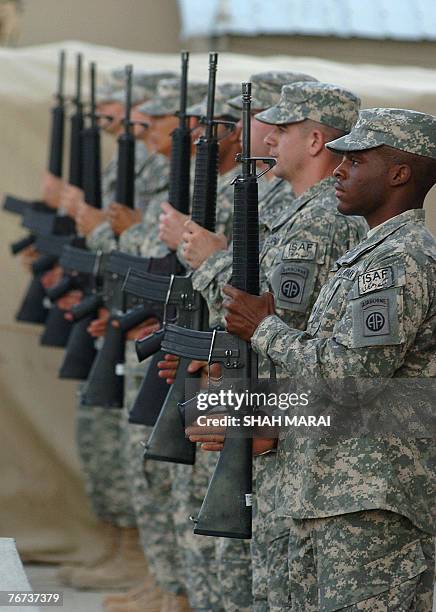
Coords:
300,249
375,280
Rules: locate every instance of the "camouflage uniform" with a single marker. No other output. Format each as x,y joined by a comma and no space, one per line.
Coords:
374,319
150,483
99,430
300,240
206,588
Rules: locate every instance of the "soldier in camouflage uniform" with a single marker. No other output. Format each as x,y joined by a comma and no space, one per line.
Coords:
151,168
151,496
300,243
98,437
361,508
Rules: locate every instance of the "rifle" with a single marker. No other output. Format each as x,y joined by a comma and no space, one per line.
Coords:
167,441
125,185
226,509
55,162
104,385
92,150
85,268
56,152
77,121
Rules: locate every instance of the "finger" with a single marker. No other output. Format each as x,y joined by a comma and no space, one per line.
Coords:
231,291
196,365
190,225
212,446
169,357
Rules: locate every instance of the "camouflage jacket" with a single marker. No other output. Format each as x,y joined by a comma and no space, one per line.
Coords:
375,319
300,242
151,180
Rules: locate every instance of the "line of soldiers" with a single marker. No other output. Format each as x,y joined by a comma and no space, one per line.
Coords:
348,291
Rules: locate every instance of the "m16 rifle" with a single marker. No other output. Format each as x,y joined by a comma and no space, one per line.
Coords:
226,510
167,441
105,383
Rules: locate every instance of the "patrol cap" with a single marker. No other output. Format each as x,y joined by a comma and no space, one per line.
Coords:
167,98
223,92
266,88
138,95
109,92
403,129
322,102
145,79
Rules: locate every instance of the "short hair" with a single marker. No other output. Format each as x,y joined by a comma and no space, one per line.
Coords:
330,133
423,168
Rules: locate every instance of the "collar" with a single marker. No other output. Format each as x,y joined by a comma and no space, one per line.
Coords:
302,200
381,232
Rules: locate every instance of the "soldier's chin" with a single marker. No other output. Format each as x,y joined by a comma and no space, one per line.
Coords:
345,208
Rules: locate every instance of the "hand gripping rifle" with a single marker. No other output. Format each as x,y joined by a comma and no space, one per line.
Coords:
226,510
167,441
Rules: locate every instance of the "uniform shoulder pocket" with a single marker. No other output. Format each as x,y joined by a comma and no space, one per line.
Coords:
376,300
293,279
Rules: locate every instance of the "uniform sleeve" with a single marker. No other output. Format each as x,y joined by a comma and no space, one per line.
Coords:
369,340
210,278
101,238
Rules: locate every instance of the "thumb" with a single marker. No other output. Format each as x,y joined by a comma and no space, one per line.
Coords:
166,207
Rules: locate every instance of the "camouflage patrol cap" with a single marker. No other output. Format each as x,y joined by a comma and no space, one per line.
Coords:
223,92
266,88
403,129
145,79
109,92
138,95
167,98
322,102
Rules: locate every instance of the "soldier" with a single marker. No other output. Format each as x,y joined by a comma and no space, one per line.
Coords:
151,496
300,123
99,443
362,508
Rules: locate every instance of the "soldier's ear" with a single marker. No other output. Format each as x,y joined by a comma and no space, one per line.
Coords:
316,142
399,174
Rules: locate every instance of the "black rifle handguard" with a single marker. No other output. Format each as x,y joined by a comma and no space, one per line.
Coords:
55,162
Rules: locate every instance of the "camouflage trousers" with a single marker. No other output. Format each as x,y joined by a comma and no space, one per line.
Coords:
98,438
218,570
150,489
265,526
371,561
